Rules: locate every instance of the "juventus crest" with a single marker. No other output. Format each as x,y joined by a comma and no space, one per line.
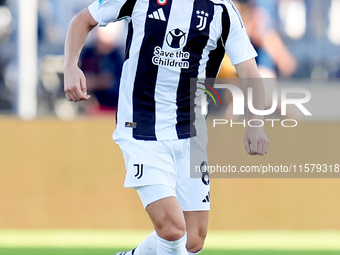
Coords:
202,16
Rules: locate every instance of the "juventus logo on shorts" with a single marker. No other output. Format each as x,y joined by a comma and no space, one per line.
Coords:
203,16
139,173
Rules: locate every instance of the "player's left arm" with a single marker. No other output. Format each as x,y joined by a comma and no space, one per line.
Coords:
255,140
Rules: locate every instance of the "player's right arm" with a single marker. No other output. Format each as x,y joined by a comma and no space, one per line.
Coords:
242,55
74,79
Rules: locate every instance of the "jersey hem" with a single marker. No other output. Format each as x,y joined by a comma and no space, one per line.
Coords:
92,11
154,138
239,61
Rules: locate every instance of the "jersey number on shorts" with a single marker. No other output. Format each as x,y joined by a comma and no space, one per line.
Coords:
139,173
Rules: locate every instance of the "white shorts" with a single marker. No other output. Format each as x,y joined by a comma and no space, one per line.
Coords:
159,169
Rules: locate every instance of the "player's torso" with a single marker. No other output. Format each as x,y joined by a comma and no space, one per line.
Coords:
169,42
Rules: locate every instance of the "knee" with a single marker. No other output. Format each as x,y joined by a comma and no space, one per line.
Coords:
195,241
195,246
167,218
170,230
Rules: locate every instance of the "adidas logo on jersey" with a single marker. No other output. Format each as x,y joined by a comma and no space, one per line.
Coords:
207,198
159,15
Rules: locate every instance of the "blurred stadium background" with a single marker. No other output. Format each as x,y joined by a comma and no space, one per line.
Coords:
61,175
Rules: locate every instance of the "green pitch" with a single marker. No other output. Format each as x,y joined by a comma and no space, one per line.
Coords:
108,242
108,251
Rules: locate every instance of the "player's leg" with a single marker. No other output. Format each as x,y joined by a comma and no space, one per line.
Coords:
194,198
147,163
151,171
167,217
169,237
197,227
193,189
169,223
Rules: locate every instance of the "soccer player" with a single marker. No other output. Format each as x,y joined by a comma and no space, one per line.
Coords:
169,42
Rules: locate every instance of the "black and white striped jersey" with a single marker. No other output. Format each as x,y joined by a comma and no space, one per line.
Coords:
168,43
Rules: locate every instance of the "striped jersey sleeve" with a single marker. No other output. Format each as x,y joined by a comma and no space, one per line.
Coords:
236,42
106,11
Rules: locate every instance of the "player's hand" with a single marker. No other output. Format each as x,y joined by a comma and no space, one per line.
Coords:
256,141
75,84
